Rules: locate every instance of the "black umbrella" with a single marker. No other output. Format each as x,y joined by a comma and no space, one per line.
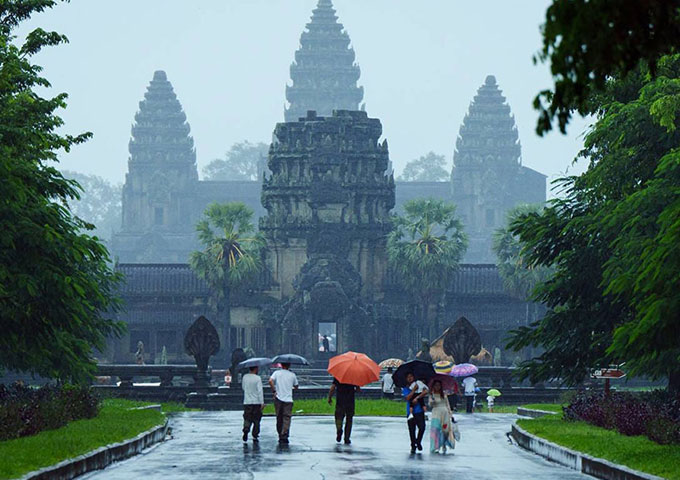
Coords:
290,358
254,362
420,369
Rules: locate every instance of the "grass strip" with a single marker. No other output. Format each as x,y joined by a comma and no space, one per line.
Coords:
364,407
115,423
369,408
638,452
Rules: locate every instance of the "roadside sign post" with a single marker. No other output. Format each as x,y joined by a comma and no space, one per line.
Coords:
608,374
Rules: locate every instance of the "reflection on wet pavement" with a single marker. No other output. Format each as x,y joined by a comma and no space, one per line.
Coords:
208,445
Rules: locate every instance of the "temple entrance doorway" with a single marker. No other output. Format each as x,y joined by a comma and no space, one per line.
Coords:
327,338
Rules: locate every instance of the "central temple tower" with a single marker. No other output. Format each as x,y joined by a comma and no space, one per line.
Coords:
328,202
324,74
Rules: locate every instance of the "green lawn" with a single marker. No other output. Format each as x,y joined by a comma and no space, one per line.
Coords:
639,452
115,423
364,407
371,407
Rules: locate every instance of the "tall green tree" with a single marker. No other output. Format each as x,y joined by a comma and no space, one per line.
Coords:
243,161
587,42
428,168
232,253
613,240
424,249
56,288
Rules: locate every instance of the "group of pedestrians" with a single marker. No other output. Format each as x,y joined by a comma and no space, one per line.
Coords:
282,383
443,429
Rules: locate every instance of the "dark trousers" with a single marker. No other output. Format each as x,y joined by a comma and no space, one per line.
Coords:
418,420
453,401
469,400
284,410
252,414
344,412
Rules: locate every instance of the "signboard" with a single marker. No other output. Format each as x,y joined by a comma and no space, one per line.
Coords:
608,373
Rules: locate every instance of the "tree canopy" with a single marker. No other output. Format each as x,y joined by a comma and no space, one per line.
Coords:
587,42
613,240
232,247
100,203
426,246
519,276
243,161
428,168
56,288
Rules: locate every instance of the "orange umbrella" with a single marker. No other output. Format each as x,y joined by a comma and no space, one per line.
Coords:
354,368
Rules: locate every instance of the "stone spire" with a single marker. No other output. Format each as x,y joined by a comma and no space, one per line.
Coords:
488,135
488,178
160,132
324,74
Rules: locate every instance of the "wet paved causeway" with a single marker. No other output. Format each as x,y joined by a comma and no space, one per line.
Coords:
207,445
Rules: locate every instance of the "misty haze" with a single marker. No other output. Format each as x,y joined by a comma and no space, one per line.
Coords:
344,238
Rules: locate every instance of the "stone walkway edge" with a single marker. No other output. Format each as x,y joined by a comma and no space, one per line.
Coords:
597,467
101,457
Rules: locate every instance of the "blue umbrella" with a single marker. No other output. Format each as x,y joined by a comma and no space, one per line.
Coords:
254,362
290,358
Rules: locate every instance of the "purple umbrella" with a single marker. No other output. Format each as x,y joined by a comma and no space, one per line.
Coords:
463,370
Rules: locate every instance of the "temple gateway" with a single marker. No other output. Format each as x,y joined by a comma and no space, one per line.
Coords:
324,203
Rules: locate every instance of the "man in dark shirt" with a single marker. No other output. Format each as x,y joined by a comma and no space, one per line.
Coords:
344,407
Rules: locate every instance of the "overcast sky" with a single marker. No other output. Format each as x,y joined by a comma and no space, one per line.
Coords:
228,60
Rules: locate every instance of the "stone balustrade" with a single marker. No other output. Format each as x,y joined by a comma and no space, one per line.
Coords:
166,373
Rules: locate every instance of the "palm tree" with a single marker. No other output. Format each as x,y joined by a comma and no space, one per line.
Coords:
232,253
424,250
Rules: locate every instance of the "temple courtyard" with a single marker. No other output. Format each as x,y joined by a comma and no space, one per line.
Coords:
208,445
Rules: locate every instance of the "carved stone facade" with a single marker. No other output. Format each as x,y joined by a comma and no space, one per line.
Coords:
324,74
328,202
329,192
488,177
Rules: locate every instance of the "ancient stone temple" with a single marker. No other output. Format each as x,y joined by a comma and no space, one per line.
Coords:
324,74
328,202
161,173
488,177
162,197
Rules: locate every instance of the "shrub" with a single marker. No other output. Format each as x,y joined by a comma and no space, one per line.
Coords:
26,411
655,414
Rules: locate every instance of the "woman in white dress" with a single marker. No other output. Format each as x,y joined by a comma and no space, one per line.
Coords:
441,430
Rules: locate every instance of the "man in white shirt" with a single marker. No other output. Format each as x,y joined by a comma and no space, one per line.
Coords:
282,383
388,384
469,384
253,403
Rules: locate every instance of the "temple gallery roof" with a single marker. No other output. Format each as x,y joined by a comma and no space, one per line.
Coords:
178,279
156,279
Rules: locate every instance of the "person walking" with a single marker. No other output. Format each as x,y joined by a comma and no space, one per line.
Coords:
469,385
416,420
441,428
282,383
253,403
388,384
344,408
